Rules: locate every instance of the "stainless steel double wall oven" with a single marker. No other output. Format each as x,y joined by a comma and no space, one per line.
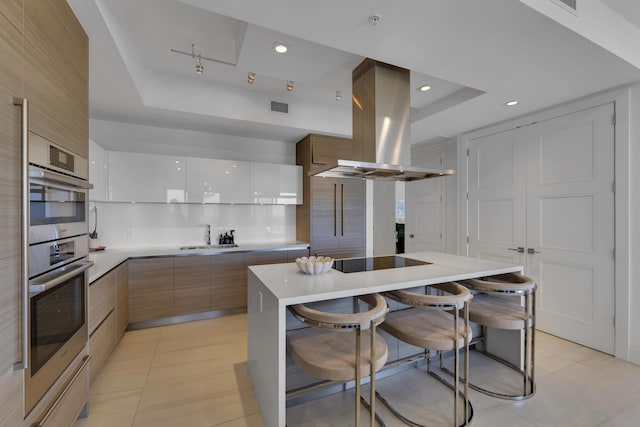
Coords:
57,264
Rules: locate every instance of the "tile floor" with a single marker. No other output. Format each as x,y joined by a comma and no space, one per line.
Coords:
194,374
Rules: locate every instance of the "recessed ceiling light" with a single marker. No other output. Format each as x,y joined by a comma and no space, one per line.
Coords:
280,48
424,88
511,103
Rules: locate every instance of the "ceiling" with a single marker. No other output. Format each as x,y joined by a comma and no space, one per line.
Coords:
475,55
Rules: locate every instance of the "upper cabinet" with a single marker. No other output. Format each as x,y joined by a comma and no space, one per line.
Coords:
136,177
217,181
324,149
56,73
98,172
276,184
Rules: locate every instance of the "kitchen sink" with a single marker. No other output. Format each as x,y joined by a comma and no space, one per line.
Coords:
230,245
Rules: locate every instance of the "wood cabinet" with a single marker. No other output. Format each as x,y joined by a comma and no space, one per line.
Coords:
102,299
12,11
122,298
229,281
332,216
10,213
192,284
151,288
57,74
101,343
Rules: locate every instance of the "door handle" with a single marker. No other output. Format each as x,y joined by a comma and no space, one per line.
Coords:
412,235
519,249
23,103
335,208
532,251
342,209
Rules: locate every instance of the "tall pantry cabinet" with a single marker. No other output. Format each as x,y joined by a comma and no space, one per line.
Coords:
332,216
44,58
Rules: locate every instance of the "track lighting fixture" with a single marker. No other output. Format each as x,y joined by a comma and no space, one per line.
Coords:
251,77
289,85
198,58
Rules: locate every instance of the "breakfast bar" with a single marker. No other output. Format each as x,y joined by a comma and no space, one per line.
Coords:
271,288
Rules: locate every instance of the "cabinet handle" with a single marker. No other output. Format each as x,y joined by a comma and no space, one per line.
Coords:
24,268
335,208
519,249
342,209
532,251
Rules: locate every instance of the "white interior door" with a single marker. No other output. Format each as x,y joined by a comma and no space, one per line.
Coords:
570,225
496,206
425,209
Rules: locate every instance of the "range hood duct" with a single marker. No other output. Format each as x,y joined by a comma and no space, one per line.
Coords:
381,128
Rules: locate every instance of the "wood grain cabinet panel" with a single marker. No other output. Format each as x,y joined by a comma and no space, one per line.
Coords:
102,299
261,258
57,74
101,342
229,281
12,10
10,206
151,288
292,255
192,284
332,216
122,298
69,407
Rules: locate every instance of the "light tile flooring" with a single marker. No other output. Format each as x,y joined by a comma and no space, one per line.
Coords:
194,374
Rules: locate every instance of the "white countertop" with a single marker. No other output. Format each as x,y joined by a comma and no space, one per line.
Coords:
291,286
106,260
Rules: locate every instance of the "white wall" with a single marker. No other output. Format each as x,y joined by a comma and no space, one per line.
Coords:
126,225
634,226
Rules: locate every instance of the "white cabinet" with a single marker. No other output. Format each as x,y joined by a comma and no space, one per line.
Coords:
98,172
276,184
135,177
217,181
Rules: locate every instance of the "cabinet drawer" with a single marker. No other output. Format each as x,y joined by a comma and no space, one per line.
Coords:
68,406
100,345
122,298
102,299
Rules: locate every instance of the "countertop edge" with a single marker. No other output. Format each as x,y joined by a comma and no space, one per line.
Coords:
107,260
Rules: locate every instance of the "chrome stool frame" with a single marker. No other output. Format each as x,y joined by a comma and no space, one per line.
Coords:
523,319
357,321
456,299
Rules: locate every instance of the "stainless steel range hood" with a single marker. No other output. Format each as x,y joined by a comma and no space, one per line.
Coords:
381,128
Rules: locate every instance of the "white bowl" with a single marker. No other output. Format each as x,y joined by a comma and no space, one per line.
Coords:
314,265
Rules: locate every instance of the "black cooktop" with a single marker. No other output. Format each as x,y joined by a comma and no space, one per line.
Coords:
355,265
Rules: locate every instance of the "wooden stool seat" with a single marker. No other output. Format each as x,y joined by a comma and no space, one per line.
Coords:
432,329
499,313
332,355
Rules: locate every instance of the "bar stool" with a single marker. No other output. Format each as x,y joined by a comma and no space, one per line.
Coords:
341,355
434,324
488,309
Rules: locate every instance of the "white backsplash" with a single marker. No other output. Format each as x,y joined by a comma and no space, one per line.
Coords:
131,225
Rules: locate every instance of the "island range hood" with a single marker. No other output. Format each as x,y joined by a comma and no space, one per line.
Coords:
381,128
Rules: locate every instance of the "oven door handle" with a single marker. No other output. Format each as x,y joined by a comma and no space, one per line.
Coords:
56,177
64,275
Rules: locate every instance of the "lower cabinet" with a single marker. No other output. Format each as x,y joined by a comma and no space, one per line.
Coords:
229,281
108,316
192,289
151,288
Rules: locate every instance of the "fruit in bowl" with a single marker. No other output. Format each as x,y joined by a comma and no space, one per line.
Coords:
314,265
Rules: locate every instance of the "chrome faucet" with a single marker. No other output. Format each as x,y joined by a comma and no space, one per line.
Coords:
208,234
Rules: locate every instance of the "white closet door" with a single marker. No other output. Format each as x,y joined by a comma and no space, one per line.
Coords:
425,208
570,225
496,207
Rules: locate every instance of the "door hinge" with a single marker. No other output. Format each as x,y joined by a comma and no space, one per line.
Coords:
613,186
467,239
614,320
440,236
613,119
467,195
441,160
614,253
467,152
441,198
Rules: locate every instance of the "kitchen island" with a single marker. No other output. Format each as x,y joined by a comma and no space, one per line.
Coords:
271,288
